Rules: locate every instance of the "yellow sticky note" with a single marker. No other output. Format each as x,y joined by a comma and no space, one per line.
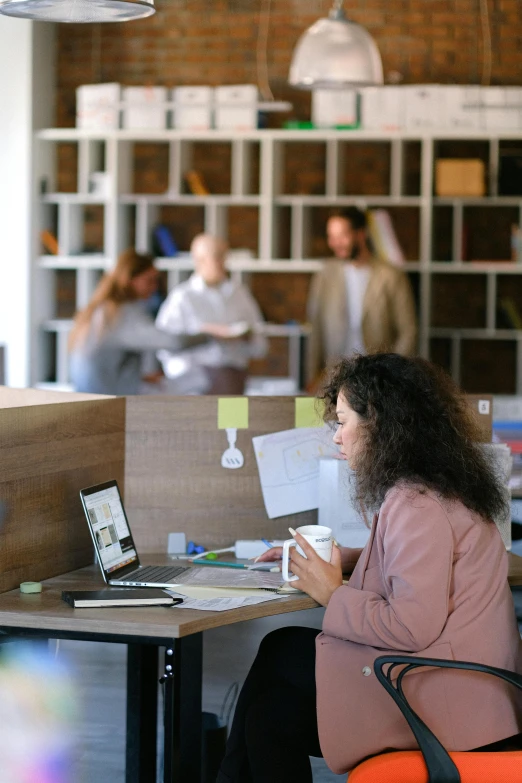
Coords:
308,412
233,412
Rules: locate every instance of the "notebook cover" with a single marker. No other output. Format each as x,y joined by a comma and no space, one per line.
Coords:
111,597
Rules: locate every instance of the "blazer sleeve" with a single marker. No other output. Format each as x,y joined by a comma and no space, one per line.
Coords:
315,359
405,317
417,546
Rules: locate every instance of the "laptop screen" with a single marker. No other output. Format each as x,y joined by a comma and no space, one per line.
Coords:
109,528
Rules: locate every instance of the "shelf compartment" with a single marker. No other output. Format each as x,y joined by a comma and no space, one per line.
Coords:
281,297
489,366
487,232
458,301
365,167
298,179
183,221
509,302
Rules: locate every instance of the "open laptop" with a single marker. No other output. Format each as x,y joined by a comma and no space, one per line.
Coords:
115,547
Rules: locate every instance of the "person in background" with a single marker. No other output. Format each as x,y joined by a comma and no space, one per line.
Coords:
111,335
357,302
209,296
431,581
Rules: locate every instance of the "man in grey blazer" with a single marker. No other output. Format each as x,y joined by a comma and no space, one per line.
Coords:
358,302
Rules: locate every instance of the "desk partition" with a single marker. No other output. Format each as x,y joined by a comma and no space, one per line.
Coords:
164,451
174,481
51,445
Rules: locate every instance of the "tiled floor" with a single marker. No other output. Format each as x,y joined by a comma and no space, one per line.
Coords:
99,673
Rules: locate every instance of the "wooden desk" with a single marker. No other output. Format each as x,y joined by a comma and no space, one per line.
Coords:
144,630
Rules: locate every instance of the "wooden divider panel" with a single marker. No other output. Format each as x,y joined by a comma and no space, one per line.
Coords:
174,481
48,452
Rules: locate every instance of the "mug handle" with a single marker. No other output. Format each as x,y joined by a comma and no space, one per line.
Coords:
286,555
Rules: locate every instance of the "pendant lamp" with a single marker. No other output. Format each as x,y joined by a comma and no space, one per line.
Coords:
78,10
335,53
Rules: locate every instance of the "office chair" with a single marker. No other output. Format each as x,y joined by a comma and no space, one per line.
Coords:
432,764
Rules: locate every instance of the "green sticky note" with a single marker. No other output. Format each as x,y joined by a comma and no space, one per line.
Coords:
308,412
233,412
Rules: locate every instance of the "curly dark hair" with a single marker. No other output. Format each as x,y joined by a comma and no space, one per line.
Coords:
416,426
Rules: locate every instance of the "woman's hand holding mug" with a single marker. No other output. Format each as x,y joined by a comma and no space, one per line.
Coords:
316,563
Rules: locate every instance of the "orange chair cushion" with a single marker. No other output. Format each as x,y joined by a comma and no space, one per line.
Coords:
407,766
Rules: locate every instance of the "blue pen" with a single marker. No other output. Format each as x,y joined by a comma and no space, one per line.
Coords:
267,543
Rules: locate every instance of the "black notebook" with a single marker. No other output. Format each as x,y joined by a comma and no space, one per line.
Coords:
115,597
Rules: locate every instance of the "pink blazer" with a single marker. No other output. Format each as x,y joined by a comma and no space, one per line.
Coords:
431,581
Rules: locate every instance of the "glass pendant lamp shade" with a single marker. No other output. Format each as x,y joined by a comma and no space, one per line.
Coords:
335,53
78,10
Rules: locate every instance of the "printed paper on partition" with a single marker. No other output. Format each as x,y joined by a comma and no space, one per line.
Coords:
288,464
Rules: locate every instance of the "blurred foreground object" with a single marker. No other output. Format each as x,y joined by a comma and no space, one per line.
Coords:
37,710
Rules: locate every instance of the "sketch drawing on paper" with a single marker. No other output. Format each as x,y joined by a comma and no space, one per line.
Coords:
288,464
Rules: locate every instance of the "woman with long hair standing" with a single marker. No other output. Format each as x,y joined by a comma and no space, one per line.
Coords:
431,581
110,336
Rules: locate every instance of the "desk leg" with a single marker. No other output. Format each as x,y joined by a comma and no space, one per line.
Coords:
142,712
183,689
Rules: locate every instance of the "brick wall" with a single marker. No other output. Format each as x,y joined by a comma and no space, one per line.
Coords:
214,42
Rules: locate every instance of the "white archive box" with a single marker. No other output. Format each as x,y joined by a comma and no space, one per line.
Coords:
331,108
501,107
97,106
382,108
463,106
236,107
336,507
424,106
192,107
144,108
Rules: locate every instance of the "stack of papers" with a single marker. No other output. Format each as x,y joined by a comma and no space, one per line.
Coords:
220,599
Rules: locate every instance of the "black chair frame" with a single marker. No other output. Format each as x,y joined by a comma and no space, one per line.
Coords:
440,766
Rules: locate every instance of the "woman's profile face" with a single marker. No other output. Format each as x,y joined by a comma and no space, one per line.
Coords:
347,432
146,283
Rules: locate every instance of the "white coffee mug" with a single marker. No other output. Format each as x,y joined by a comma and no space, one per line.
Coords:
318,536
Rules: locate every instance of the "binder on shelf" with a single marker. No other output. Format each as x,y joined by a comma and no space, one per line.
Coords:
49,242
384,238
164,242
196,183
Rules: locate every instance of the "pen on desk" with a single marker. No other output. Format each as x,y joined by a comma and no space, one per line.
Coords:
220,563
267,544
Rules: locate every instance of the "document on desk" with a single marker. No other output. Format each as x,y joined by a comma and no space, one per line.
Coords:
231,577
215,599
288,464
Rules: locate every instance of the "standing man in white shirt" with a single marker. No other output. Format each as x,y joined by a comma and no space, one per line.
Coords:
210,297
357,302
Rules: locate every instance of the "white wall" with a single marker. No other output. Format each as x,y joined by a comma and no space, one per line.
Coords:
26,102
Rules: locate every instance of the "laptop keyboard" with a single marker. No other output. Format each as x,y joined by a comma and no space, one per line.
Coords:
160,574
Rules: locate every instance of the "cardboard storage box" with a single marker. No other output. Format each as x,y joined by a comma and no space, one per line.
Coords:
144,108
236,107
382,108
458,177
98,106
192,107
331,108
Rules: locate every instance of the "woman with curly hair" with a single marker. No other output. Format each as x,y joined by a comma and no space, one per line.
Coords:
431,581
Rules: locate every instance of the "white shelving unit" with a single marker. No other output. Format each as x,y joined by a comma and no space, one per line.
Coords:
127,214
